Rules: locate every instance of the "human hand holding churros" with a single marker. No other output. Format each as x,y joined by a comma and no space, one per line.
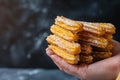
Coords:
78,42
106,69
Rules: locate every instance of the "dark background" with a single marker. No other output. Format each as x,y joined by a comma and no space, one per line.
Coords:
24,25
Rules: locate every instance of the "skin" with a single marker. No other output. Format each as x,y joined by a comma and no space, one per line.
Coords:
106,69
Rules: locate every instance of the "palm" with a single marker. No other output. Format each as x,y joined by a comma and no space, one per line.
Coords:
106,69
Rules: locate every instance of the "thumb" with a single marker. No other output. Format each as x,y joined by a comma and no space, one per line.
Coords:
116,47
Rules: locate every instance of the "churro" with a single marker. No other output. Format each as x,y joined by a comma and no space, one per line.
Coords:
108,27
79,41
70,47
93,40
85,49
73,59
91,28
69,24
107,49
85,59
101,55
65,34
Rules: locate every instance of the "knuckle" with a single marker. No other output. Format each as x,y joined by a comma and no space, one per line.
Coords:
61,69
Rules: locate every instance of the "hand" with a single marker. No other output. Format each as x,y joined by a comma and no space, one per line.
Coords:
106,69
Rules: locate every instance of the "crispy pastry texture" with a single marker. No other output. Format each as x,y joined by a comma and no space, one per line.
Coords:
65,34
73,59
69,24
86,59
79,41
70,47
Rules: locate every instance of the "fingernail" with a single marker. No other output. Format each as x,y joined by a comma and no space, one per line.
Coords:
61,69
48,52
47,49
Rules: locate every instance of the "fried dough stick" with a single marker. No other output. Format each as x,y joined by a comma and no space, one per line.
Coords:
94,29
101,55
70,47
72,59
93,40
86,59
85,49
107,49
69,24
108,27
65,34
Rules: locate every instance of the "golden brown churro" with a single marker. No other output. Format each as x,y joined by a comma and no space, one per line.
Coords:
108,36
107,49
86,59
101,55
63,54
93,40
91,28
79,41
65,34
85,49
69,24
108,27
70,47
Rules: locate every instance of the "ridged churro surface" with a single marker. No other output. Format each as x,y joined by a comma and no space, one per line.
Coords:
68,24
86,49
63,54
70,47
86,59
65,34
93,40
101,55
81,42
91,28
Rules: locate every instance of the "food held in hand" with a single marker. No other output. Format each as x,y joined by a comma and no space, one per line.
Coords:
79,41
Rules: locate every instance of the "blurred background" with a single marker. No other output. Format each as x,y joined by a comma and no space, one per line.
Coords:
24,25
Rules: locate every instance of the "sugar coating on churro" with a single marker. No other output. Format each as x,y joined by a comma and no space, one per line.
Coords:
69,24
94,29
80,41
86,59
108,27
70,47
66,21
65,34
72,59
93,40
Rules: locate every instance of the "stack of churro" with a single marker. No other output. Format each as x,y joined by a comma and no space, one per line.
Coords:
80,42
98,36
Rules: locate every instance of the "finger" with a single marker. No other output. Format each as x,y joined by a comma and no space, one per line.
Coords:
49,52
63,63
76,70
58,65
79,71
108,67
115,43
116,47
